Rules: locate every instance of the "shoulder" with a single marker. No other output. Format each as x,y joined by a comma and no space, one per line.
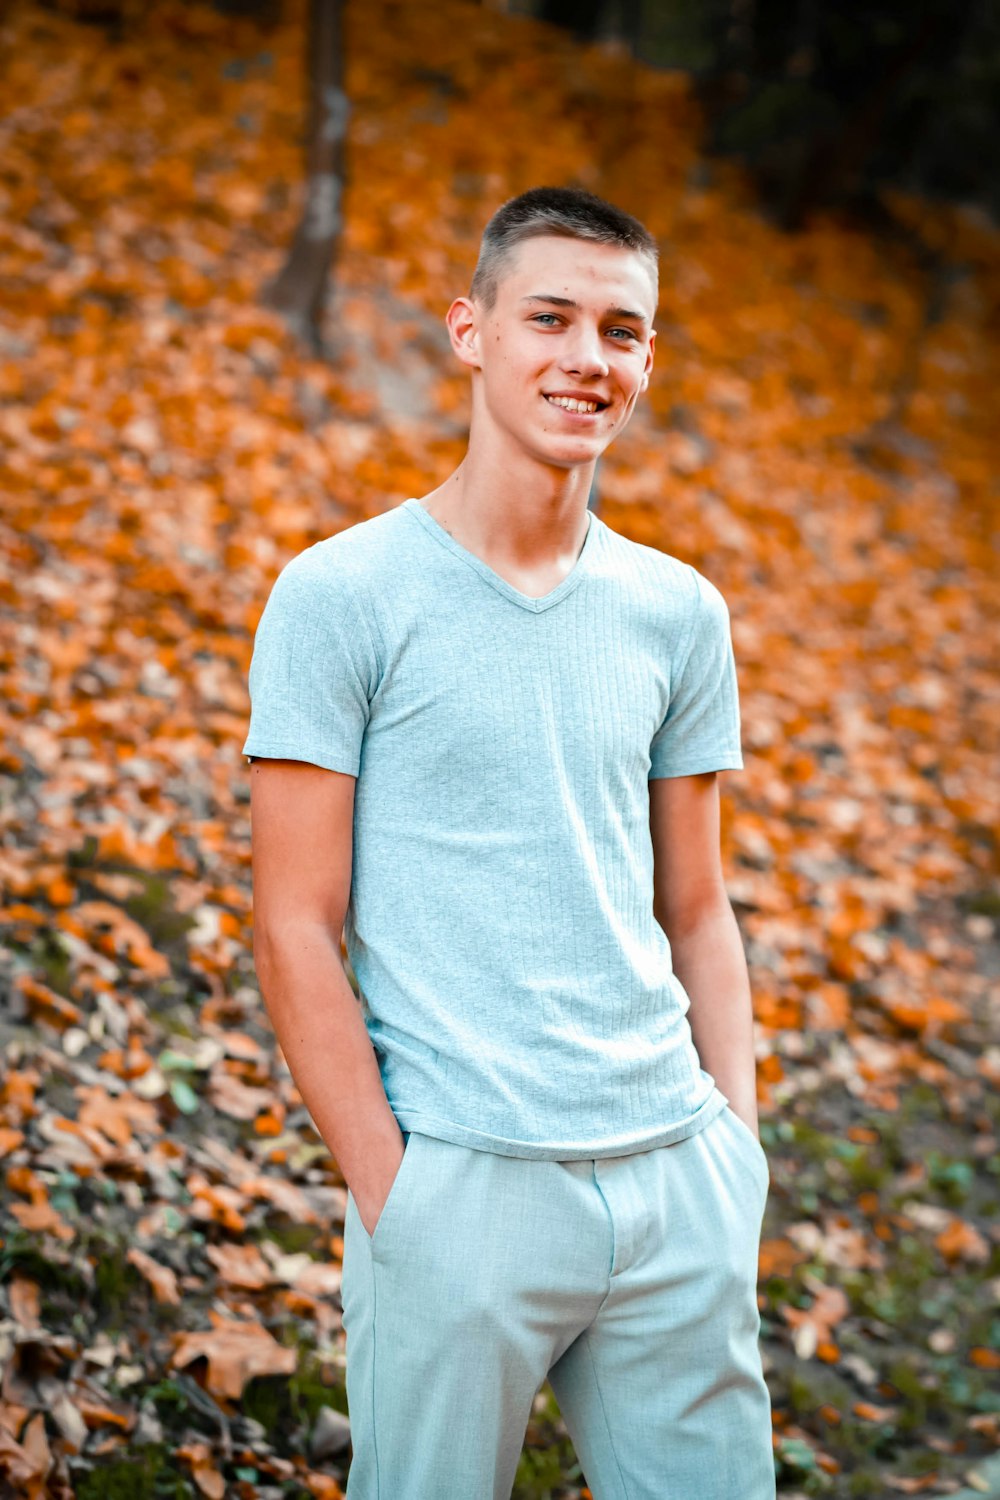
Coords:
352,556
666,579
342,573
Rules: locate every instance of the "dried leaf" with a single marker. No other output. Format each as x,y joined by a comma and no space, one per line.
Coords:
161,1278
235,1353
241,1265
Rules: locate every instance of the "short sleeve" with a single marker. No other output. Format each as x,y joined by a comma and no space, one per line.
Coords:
701,728
313,671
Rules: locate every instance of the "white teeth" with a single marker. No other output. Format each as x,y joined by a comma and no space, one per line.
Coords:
569,403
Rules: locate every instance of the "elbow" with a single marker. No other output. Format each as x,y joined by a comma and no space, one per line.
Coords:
699,911
280,943
263,953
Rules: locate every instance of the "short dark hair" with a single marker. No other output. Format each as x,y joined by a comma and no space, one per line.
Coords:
555,210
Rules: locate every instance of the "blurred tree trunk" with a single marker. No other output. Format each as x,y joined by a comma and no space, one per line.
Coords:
832,170
299,289
581,17
591,19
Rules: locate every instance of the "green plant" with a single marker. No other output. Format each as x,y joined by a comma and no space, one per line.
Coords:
142,1474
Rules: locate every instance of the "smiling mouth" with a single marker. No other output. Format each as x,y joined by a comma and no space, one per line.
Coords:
571,403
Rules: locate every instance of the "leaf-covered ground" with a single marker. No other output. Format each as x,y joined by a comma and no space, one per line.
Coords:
819,440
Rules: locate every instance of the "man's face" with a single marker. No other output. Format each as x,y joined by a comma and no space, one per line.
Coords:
567,347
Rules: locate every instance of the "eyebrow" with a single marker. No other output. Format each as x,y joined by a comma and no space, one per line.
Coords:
610,312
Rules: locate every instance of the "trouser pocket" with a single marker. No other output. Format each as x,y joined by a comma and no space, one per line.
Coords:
394,1203
753,1152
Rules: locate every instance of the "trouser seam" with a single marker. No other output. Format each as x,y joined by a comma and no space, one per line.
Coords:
614,1246
375,1352
607,1425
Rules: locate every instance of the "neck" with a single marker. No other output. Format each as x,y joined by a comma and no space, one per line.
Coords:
510,509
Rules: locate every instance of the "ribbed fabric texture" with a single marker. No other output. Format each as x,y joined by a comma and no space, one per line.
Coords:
516,987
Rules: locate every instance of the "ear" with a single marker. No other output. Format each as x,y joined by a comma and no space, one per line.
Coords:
649,360
462,320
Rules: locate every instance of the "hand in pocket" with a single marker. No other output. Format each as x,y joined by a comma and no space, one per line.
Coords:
377,1192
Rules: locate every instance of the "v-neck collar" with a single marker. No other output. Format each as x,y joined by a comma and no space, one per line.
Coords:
546,601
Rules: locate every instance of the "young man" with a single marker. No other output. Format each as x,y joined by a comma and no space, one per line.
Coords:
485,734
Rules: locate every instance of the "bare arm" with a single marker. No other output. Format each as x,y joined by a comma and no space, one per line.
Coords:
302,820
691,905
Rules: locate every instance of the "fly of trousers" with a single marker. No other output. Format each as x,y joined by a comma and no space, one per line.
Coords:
629,1282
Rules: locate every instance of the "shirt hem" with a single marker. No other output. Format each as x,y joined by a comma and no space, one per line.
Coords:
724,762
322,758
463,1135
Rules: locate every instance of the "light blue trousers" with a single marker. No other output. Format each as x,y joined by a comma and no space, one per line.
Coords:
629,1282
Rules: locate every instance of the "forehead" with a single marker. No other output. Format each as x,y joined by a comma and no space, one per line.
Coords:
581,269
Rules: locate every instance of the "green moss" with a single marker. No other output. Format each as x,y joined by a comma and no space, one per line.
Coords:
176,1020
920,1103
153,909
22,1252
547,1463
864,1484
796,1460
950,1176
814,1386
293,1239
282,1403
144,1474
117,1284
50,958
984,903
542,1474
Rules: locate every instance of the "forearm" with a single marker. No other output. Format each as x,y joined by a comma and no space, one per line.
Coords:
322,1033
710,963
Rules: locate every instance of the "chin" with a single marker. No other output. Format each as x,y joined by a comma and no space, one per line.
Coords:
565,448
576,455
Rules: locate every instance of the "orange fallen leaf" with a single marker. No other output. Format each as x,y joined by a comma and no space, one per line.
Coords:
21,1179
98,1409
239,1045
36,1444
932,1015
291,1200
236,1099
41,1218
269,1124
869,1412
161,1278
915,1485
241,1265
17,1094
212,1201
778,1257
113,930
813,1324
20,1467
235,1353
116,1115
12,1417
25,1301
206,1476
962,1241
126,1062
61,892
54,1009
323,1487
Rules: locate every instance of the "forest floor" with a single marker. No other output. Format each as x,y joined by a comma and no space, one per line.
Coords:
818,440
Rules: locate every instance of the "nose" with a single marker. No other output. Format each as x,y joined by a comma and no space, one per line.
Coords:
582,353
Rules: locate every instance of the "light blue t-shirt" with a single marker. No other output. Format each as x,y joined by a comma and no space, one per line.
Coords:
516,986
